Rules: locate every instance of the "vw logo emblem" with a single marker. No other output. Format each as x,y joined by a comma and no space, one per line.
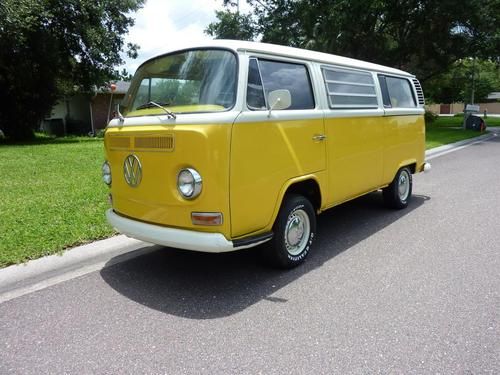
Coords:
132,170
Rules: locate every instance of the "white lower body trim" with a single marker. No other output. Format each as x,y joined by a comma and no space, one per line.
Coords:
172,237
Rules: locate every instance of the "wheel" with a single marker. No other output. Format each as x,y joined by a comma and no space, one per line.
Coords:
294,231
398,193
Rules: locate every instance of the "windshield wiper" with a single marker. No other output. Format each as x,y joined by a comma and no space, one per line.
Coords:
154,104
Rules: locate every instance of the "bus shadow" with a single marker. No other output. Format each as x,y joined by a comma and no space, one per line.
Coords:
206,286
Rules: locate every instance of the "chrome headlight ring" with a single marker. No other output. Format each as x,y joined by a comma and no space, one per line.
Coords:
189,183
106,173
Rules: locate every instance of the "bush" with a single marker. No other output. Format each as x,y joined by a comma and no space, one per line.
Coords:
430,117
100,133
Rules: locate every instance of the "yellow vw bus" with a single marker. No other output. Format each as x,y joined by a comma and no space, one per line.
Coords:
233,144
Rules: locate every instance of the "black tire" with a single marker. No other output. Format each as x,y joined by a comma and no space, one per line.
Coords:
294,231
398,194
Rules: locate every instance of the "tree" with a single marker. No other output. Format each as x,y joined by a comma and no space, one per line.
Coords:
49,48
232,26
455,85
424,37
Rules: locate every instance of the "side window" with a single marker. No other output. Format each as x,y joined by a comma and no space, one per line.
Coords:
400,92
255,91
349,88
277,75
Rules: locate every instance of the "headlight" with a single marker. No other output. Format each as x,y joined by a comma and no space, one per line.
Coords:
189,183
106,173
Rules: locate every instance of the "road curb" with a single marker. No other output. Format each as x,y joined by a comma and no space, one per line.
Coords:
37,274
21,279
445,149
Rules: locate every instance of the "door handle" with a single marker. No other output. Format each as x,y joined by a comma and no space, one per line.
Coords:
319,137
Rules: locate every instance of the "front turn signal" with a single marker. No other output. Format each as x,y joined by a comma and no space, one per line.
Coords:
206,218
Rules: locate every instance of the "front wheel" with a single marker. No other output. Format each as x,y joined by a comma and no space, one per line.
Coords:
294,231
398,193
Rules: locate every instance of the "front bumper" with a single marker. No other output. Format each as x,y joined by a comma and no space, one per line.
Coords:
178,238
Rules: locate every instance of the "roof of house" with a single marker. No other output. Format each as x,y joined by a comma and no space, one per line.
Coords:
291,52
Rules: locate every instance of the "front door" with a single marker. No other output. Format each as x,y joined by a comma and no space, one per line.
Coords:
270,148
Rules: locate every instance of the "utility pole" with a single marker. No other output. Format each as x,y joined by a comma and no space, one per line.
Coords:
473,80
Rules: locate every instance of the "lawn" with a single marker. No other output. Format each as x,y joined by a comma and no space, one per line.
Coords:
52,197
448,129
436,136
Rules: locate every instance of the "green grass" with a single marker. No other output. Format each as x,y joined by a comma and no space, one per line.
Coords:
51,197
436,136
448,129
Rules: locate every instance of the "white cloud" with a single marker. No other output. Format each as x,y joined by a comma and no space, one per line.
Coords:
162,25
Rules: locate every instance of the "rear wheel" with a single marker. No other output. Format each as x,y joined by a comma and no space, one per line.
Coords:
294,231
398,193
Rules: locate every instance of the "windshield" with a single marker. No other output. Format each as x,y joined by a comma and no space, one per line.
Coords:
191,81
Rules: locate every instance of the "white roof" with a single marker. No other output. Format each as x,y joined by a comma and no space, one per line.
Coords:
302,54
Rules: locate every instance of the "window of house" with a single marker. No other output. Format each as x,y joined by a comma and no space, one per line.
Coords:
400,92
265,76
349,89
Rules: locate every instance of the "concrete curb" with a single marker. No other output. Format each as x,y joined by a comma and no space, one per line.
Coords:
451,147
38,274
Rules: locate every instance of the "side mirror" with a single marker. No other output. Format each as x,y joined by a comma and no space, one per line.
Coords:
278,100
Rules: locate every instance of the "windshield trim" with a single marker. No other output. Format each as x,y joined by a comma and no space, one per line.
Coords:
133,89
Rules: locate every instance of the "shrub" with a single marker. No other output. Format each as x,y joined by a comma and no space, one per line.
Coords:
430,117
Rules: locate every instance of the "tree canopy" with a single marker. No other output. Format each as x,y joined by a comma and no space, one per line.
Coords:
49,48
424,37
455,85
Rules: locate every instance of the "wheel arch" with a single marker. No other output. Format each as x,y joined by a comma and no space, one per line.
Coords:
410,163
307,186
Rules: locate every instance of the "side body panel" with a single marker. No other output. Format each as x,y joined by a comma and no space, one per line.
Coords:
404,142
355,155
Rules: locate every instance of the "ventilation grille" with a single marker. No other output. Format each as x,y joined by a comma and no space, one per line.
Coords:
119,142
420,93
160,143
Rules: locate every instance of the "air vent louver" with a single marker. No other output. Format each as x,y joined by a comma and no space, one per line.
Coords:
420,93
119,143
160,143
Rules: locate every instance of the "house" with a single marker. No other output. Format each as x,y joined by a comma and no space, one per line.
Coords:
491,106
85,113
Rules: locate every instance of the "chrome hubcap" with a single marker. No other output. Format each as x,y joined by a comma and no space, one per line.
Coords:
404,185
297,231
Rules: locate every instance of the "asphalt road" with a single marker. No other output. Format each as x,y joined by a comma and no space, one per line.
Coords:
413,291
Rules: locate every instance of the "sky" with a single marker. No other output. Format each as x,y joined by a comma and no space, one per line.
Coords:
163,25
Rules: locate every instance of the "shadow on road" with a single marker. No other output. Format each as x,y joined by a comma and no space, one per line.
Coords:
207,286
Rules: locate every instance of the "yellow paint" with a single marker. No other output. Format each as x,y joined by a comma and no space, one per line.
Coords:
364,153
264,156
156,199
